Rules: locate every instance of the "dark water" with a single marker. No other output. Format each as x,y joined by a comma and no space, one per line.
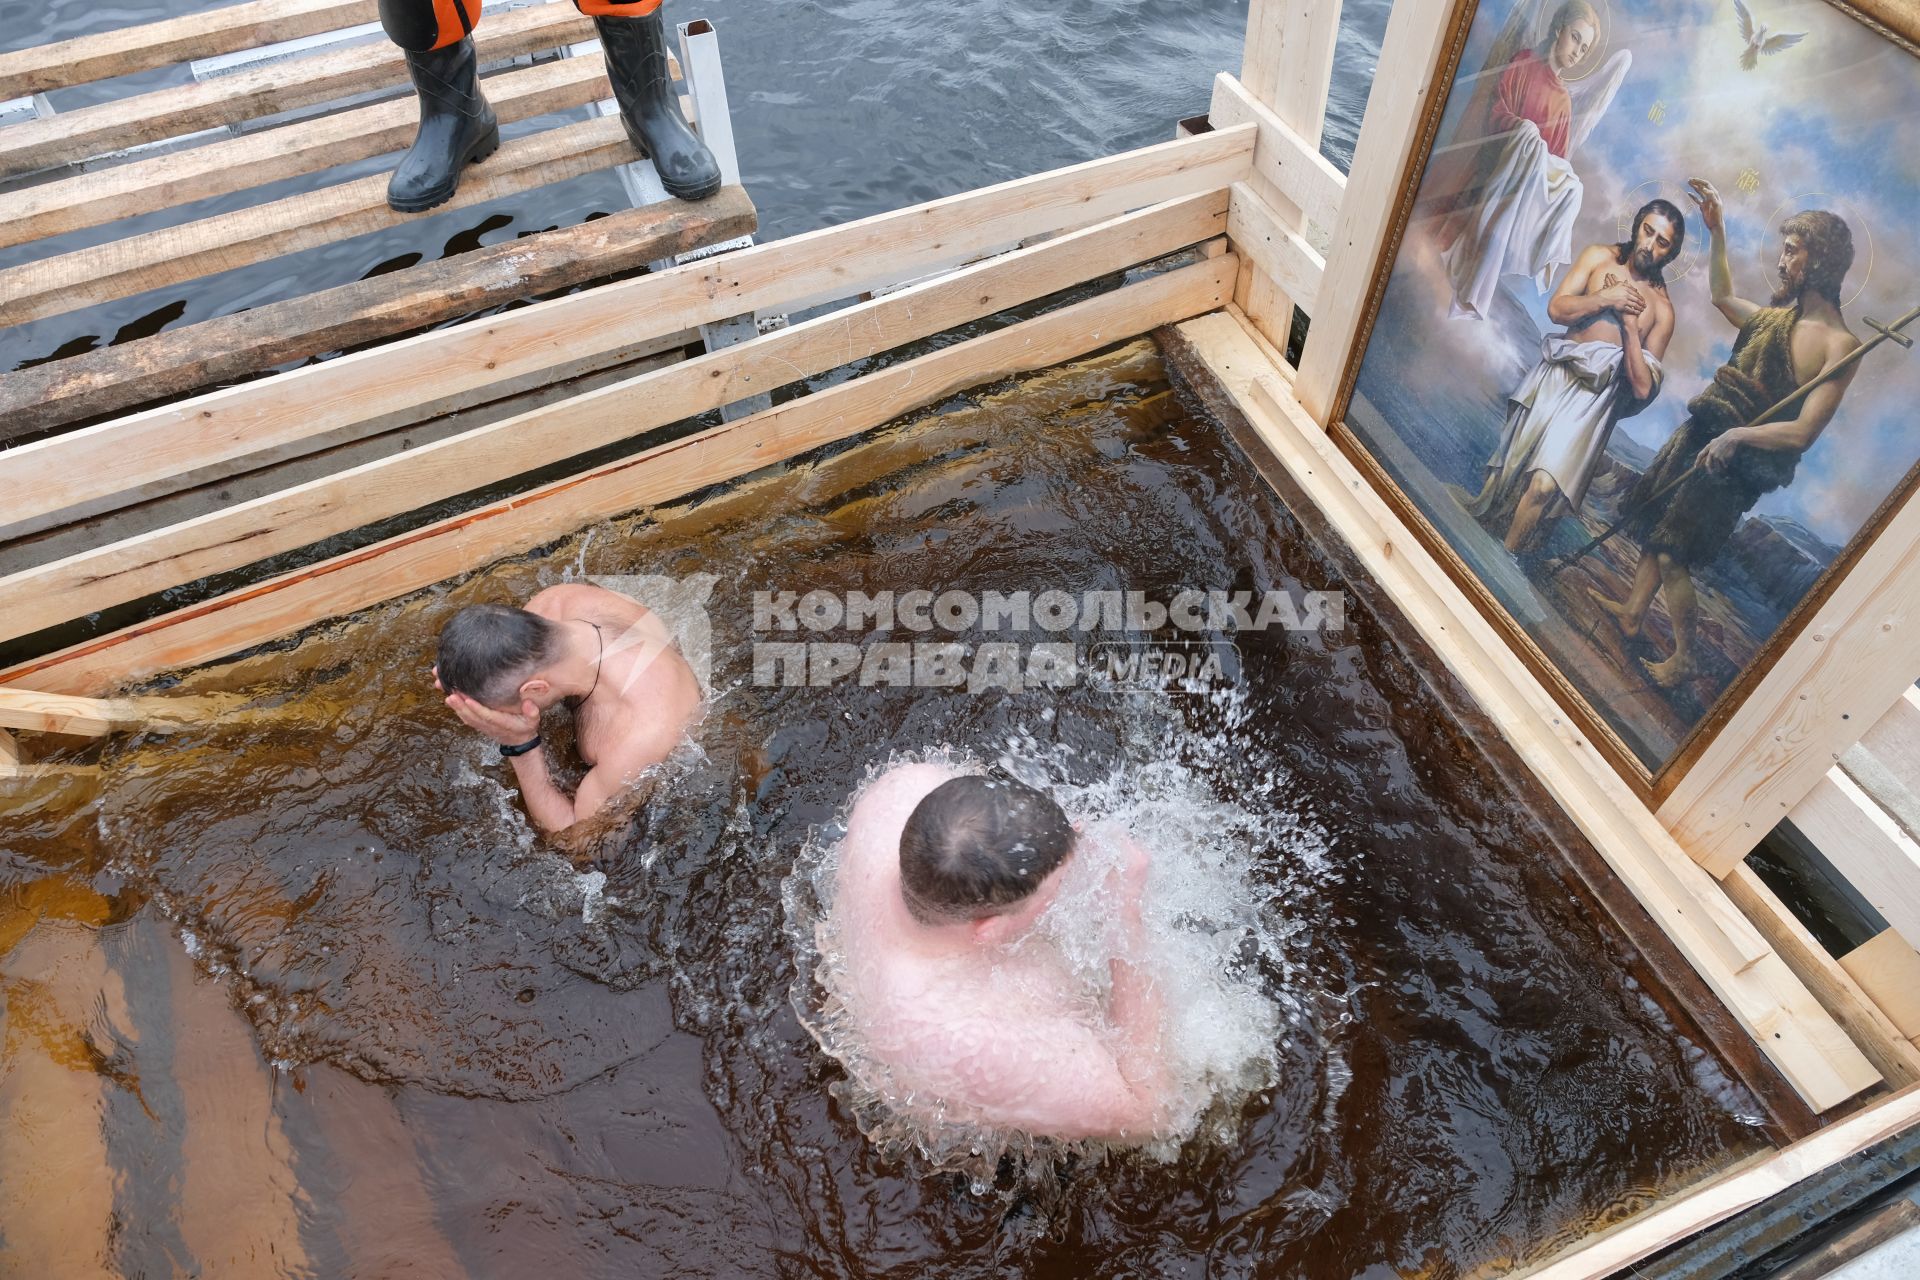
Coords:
841,109
456,1052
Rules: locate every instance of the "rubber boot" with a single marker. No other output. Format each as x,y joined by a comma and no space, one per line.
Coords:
637,64
457,127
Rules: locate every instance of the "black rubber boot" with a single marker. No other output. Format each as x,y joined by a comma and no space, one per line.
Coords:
457,127
637,64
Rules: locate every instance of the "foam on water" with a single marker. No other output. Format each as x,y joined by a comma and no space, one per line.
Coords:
1225,905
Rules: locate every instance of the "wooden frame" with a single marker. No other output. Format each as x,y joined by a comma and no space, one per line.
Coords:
1297,231
1828,671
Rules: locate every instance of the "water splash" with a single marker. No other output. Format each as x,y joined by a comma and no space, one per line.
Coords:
1224,904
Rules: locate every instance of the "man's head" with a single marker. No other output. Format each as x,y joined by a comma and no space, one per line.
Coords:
1816,251
495,655
1659,232
1571,34
977,848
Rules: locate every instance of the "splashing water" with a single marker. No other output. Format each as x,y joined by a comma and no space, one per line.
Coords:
1225,955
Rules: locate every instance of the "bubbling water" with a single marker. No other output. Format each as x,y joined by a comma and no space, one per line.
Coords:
1223,913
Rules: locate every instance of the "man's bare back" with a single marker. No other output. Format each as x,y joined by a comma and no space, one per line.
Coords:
605,656
981,1022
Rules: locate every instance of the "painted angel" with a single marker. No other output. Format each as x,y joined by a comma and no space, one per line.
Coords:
1504,190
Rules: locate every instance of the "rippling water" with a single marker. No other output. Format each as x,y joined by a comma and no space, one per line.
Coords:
302,989
841,109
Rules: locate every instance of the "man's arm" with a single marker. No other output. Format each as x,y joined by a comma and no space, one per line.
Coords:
1719,269
1797,433
1572,305
547,805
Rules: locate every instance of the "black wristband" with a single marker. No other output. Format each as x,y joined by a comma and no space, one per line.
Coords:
510,752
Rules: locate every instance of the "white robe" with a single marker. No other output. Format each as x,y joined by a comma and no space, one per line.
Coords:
1523,225
1560,418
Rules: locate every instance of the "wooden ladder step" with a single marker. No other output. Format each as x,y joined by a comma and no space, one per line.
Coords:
72,136
159,44
310,146
229,348
124,268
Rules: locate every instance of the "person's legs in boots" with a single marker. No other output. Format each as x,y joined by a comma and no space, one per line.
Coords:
634,36
457,127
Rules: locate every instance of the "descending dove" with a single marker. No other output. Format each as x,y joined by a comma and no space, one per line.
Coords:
1761,39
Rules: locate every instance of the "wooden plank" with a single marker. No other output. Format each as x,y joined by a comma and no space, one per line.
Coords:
156,259
1854,660
1281,254
1396,105
1886,763
1755,985
405,563
835,262
1888,968
1289,162
279,86
190,494
1856,1008
39,712
338,319
1866,846
1722,1197
247,532
106,195
1288,66
12,756
158,44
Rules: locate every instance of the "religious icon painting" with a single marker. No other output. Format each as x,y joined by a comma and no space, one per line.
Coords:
1638,360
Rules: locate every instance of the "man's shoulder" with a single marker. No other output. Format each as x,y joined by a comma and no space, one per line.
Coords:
578,599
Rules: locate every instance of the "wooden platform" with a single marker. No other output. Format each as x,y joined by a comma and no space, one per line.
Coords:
235,130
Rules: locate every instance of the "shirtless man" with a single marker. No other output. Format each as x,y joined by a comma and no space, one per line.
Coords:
611,660
1684,523
1604,367
968,1016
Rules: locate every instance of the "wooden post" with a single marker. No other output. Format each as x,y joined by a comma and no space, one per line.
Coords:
1838,677
1416,36
1288,68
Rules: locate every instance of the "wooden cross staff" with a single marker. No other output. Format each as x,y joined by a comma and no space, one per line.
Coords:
1882,333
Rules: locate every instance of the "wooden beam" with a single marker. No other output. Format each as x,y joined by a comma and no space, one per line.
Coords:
1886,763
232,347
235,164
838,262
123,268
1865,845
72,136
1849,665
1856,1008
1890,1221
247,532
40,712
1888,969
1291,164
1755,985
1288,68
158,44
1281,254
12,756
287,604
1396,105
1720,1198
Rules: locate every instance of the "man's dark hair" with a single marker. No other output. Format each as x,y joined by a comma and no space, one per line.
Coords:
975,846
1623,252
1829,242
488,650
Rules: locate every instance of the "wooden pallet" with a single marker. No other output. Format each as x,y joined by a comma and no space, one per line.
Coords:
228,134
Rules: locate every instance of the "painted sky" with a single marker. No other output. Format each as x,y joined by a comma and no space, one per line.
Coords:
1832,117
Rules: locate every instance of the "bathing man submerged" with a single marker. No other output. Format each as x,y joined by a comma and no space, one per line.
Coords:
611,660
966,1015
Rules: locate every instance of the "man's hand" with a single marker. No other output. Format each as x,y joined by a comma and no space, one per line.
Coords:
508,728
1707,200
1718,454
1621,296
